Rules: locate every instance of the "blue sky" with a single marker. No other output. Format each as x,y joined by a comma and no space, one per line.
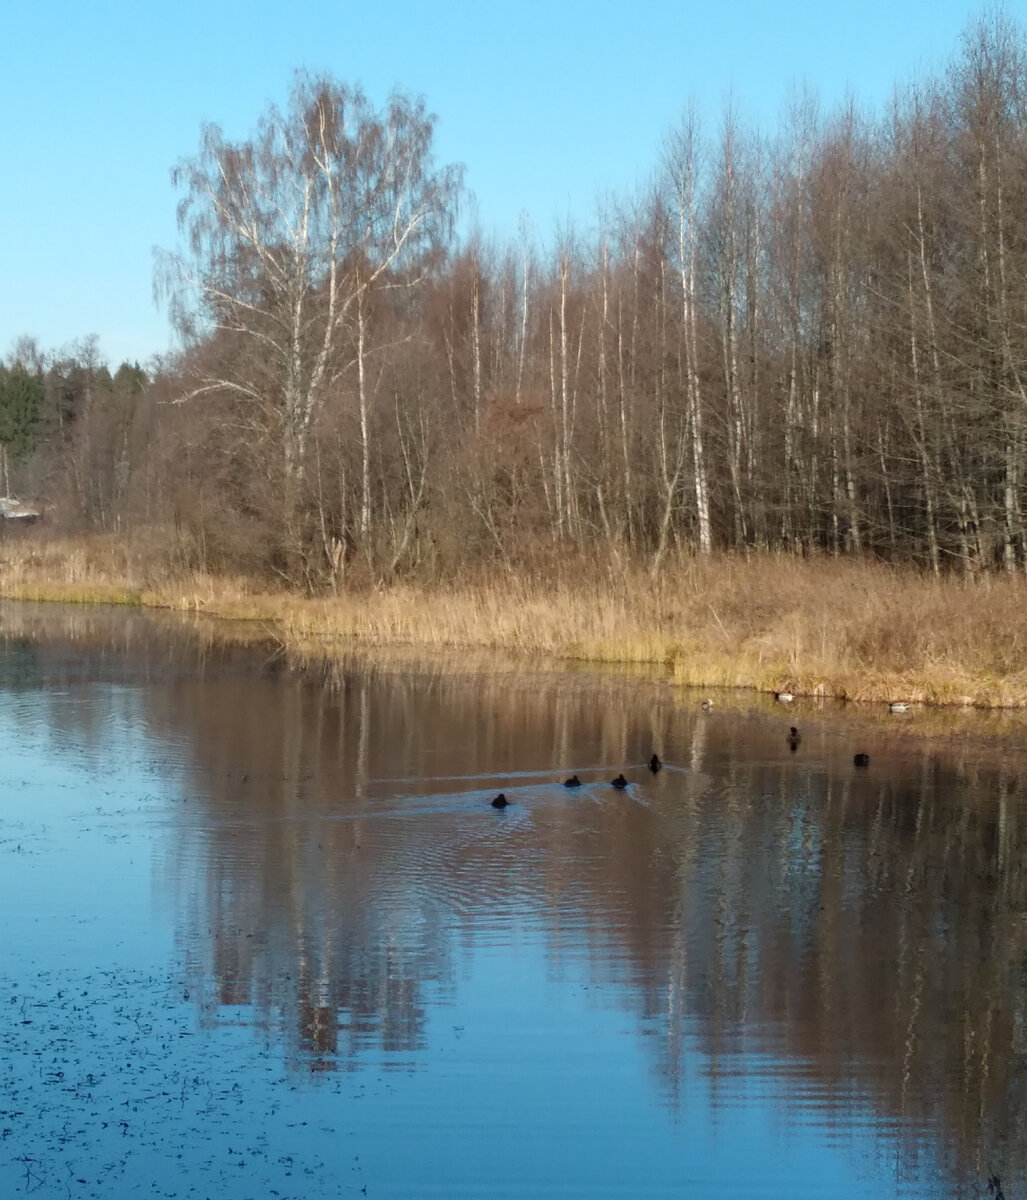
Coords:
549,104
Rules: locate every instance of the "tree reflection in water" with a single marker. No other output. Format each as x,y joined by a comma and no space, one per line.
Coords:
860,934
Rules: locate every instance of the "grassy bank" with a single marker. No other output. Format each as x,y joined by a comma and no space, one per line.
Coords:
831,627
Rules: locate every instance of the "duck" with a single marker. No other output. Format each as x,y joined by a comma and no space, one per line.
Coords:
898,706
655,764
861,760
707,705
783,697
794,738
500,801
619,782
574,781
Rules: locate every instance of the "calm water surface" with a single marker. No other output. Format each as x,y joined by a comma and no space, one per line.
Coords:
262,934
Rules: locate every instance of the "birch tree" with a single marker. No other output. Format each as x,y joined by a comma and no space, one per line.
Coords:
287,234
682,167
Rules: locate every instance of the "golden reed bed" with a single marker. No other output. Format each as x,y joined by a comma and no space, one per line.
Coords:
823,626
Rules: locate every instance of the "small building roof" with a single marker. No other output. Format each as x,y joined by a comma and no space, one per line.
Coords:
13,510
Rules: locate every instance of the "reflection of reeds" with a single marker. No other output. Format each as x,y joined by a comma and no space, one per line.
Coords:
862,630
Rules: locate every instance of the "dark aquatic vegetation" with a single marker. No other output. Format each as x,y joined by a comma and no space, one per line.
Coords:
619,782
500,801
793,739
574,781
655,764
861,760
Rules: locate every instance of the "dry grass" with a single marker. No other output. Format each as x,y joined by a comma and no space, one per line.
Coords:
830,627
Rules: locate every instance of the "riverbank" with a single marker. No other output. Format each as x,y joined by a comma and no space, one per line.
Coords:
859,630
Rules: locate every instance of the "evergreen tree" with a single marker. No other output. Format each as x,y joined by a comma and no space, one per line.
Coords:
21,401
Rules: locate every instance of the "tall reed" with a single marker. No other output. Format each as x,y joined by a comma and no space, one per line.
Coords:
841,627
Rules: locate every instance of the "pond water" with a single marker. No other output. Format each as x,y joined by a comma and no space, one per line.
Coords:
263,934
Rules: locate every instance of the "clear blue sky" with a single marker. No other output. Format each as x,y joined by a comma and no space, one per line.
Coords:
549,104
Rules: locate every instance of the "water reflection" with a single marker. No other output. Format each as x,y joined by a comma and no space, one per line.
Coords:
850,943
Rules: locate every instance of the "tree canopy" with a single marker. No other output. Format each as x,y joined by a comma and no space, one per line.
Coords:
815,343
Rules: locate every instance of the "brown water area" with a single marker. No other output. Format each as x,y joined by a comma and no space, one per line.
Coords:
262,932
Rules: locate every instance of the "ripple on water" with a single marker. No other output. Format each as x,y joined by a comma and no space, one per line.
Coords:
357,973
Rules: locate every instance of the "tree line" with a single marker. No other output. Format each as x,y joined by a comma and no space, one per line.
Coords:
815,342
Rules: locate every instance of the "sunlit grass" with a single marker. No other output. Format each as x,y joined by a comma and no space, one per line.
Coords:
831,627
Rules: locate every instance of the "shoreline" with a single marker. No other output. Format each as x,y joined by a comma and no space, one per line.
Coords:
822,628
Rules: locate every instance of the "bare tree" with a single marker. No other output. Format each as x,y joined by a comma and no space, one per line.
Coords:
682,166
287,234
